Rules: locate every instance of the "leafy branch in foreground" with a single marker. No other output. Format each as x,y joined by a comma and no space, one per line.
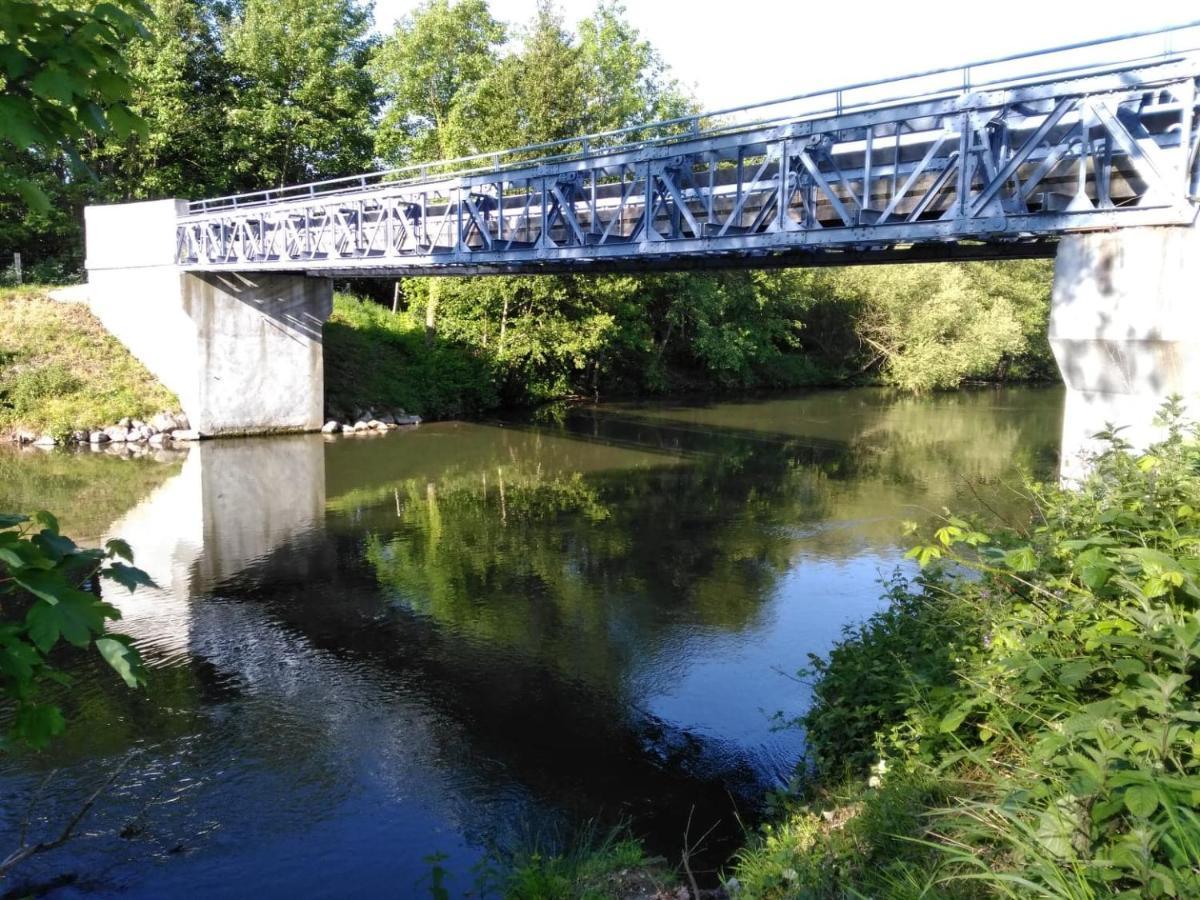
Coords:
64,77
45,602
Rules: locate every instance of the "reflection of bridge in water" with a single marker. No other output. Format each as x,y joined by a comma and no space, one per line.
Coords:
1088,153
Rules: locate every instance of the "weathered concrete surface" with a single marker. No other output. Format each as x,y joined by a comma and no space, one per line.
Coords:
1125,329
243,353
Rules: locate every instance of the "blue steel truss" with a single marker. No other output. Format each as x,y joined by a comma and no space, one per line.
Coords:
877,171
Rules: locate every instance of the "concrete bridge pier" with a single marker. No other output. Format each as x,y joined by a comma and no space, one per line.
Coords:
1125,329
242,351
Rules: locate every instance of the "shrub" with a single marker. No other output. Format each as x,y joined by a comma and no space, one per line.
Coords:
1044,675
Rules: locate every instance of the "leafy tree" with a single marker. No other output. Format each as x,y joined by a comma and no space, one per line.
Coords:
63,77
924,327
628,81
180,89
45,601
302,102
436,55
538,95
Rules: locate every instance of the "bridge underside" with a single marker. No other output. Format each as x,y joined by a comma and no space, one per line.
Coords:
713,262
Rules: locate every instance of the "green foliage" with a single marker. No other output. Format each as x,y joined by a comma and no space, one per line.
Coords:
49,596
376,359
180,88
63,78
302,102
594,865
435,55
878,675
1060,715
933,326
848,840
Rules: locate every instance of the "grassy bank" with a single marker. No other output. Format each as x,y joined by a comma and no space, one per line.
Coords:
1023,719
374,359
61,371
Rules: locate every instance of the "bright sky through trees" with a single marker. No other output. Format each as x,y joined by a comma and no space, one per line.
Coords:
738,53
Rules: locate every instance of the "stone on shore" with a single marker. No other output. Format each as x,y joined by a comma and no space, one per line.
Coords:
331,427
98,437
164,421
158,439
362,425
347,428
408,420
118,434
185,434
46,440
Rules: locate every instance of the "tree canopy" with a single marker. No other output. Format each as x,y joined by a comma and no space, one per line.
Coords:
249,94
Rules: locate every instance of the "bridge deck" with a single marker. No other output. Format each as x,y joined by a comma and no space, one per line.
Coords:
977,171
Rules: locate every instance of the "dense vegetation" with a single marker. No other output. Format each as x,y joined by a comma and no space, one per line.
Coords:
1022,720
229,96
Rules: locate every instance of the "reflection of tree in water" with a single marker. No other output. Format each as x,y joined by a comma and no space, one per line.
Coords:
591,574
875,457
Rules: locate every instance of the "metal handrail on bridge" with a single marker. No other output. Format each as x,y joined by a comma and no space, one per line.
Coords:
691,126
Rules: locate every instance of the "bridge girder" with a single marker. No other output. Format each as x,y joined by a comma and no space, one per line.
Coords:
978,174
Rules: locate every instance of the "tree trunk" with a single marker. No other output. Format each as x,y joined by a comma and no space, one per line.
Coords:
431,312
503,326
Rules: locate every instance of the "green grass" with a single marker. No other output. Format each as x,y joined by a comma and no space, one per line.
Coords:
377,360
61,371
595,865
846,839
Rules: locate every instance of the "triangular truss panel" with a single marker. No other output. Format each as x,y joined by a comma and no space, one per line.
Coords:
1001,167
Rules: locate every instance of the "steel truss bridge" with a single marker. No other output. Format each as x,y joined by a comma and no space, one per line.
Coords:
994,159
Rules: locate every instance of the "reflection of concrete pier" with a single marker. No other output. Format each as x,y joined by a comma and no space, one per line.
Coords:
233,502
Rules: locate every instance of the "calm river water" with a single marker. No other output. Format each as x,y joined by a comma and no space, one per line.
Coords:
368,650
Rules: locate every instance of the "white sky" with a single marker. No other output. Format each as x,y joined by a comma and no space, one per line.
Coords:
733,53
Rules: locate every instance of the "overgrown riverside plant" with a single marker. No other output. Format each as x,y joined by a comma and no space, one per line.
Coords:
1023,720
49,596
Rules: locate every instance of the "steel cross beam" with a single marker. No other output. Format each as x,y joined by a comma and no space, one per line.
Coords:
1001,170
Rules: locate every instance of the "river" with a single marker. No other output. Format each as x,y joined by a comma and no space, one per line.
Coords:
466,636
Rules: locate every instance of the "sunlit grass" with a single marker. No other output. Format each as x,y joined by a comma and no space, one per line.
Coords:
61,371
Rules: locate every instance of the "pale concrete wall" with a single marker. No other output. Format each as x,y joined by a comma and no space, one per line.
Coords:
243,352
134,289
258,345
1125,329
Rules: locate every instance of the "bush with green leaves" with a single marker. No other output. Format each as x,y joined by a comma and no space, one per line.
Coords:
1043,675
50,596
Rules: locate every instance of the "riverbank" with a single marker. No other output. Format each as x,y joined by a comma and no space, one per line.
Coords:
1021,718
1029,726
62,373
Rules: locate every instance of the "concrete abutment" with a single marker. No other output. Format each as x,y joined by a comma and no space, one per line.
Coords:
1125,330
242,351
